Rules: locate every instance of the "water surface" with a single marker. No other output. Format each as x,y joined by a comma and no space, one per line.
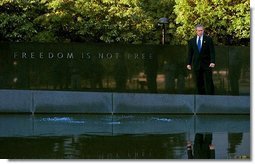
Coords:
72,136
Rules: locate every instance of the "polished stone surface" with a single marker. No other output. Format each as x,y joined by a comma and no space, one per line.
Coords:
72,102
19,101
152,103
16,101
222,104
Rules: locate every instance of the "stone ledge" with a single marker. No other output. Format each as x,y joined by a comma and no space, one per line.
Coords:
152,103
15,101
25,101
222,104
72,102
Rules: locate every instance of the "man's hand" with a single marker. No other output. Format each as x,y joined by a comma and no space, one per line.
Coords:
189,145
189,67
212,65
211,147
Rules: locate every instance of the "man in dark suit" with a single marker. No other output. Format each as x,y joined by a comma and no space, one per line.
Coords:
201,58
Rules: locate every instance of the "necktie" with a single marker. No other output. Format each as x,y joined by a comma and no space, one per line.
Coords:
199,44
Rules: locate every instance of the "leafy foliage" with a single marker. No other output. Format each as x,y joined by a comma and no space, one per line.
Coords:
124,21
226,21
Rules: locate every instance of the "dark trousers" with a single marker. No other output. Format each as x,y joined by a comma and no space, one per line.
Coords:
204,81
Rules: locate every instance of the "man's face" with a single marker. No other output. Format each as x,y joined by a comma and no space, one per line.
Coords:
200,31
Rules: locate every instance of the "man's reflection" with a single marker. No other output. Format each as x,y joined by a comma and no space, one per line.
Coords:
234,139
202,148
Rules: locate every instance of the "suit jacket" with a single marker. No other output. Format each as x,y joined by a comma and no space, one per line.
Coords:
203,58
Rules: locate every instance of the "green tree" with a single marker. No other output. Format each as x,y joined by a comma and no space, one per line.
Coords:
15,21
124,21
225,20
112,21
156,10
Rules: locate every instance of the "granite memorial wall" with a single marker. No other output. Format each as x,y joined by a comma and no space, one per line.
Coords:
117,68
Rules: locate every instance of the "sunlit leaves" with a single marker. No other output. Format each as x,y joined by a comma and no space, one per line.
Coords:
224,19
126,21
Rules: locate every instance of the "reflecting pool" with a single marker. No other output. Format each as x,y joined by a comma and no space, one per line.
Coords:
83,136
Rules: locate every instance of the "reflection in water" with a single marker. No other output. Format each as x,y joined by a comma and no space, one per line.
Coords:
95,147
168,146
203,148
234,140
64,136
62,119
